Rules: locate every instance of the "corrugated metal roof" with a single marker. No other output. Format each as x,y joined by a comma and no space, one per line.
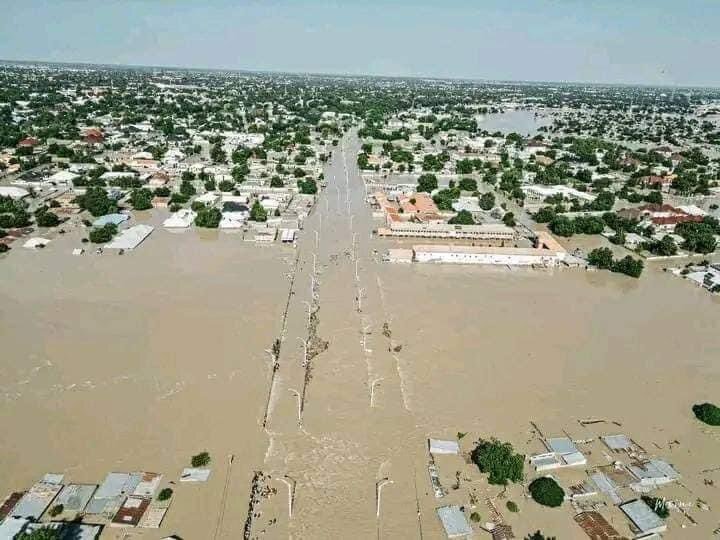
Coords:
190,474
74,497
115,219
561,445
438,446
453,521
11,527
130,238
617,442
36,501
643,516
607,486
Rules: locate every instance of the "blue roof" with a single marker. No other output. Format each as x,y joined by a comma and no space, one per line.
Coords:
115,219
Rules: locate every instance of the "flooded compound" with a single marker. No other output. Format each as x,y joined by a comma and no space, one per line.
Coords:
323,372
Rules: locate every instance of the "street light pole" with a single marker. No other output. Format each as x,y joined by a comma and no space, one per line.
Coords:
372,391
291,485
299,405
378,492
304,344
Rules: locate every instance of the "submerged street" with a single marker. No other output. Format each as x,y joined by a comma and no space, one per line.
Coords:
340,434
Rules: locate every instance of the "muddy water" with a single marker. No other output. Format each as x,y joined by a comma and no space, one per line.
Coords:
136,362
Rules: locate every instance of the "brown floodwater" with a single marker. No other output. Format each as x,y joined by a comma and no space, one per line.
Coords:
138,362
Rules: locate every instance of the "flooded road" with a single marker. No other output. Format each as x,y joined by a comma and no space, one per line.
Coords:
138,362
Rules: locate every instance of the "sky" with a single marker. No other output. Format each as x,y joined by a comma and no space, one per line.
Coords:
654,42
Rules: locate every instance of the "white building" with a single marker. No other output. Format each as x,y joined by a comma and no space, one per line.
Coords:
181,219
536,194
548,253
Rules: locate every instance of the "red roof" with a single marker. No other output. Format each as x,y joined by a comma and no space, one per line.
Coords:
29,141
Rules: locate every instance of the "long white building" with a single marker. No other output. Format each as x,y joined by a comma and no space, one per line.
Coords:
489,233
547,253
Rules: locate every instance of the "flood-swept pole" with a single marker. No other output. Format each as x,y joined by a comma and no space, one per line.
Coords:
291,485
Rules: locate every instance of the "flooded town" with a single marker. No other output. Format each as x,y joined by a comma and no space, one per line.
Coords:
276,306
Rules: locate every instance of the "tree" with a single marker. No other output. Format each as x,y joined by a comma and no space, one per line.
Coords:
47,219
601,257
141,199
43,533
165,494
603,202
657,505
464,166
226,186
547,492
628,266
487,201
239,172
664,247
509,219
699,237
210,185
512,507
307,187
276,182
707,413
499,461
104,234
654,197
468,184
427,183
186,187
537,535
545,215
562,226
208,218
96,201
463,217
257,212
217,154
200,460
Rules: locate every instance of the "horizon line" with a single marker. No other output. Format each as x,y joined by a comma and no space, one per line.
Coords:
354,75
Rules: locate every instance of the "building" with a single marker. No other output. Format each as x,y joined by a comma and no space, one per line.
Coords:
489,234
562,452
13,192
643,518
181,219
63,178
661,182
34,503
547,253
661,216
130,238
536,194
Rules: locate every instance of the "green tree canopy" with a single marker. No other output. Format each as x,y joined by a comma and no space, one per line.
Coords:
707,413
487,201
96,201
427,183
257,212
208,217
463,217
141,199
499,461
547,492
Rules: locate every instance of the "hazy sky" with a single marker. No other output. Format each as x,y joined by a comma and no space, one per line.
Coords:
623,41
